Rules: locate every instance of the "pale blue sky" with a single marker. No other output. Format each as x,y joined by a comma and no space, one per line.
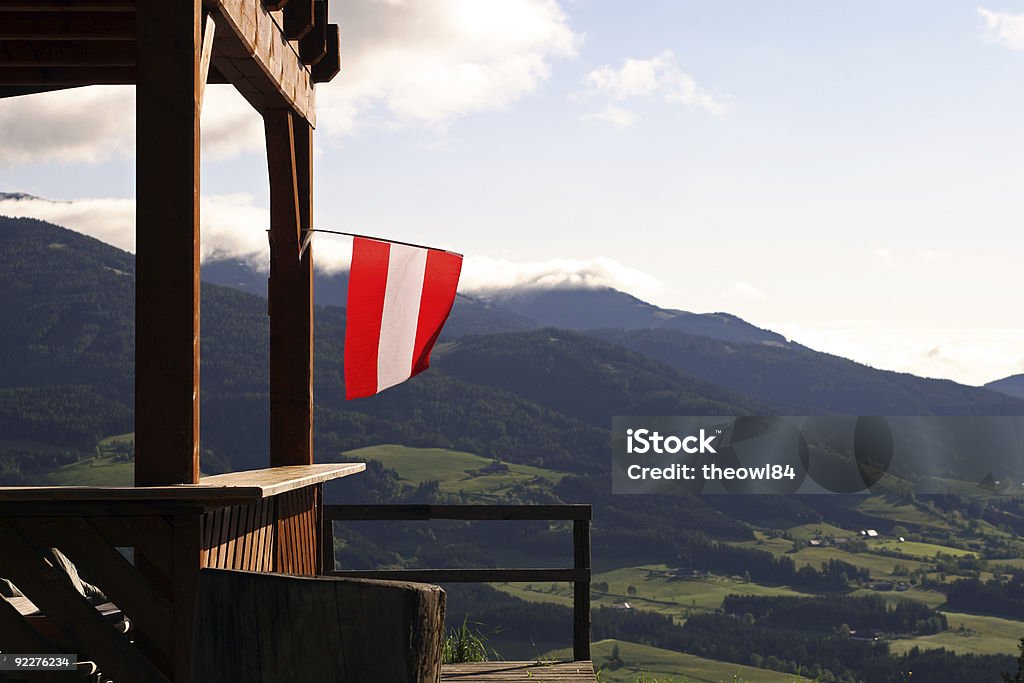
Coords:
851,174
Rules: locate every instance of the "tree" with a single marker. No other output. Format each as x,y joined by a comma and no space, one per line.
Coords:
1017,677
631,590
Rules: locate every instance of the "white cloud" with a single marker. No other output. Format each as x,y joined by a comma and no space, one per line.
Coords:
427,62
969,356
431,62
78,125
1002,28
232,225
614,115
658,76
97,123
483,274
741,290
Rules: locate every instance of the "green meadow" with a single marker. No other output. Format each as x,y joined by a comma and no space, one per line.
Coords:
666,666
455,471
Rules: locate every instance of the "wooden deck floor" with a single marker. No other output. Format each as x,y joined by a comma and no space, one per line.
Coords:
534,672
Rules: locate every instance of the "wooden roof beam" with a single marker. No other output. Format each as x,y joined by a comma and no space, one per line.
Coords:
59,53
65,76
67,26
253,54
67,5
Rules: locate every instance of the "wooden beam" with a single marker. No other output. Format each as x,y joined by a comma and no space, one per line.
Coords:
253,54
116,577
330,64
313,45
167,244
52,78
51,591
298,18
38,53
67,5
275,5
289,161
188,545
60,26
209,30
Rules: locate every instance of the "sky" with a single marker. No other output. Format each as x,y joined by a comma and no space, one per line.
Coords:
848,174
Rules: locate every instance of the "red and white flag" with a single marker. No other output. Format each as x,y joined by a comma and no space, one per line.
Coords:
399,297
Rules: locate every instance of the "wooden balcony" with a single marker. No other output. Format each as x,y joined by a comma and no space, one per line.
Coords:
261,521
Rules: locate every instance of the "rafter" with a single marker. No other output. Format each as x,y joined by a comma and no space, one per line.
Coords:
67,26
66,76
51,53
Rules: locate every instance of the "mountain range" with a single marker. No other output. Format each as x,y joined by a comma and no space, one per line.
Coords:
507,381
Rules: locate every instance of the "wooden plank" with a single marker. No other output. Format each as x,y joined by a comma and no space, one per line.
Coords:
218,490
299,16
231,526
150,536
313,45
67,53
535,672
254,54
329,65
289,142
167,244
581,591
115,575
18,635
187,530
467,512
34,25
466,575
65,77
54,594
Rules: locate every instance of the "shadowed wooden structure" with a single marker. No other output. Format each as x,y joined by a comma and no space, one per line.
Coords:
180,529
273,53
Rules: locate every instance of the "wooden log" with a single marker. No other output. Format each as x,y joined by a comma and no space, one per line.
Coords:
352,630
167,243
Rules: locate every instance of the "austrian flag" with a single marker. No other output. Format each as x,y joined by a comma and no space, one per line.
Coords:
399,297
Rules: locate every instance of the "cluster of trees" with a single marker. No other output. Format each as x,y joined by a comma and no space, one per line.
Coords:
830,613
1005,598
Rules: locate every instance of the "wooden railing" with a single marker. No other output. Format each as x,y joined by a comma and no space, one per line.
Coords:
578,574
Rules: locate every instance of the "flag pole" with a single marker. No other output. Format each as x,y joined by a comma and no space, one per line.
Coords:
309,236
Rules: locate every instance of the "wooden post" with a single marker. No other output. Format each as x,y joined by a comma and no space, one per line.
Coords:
290,163
167,243
581,591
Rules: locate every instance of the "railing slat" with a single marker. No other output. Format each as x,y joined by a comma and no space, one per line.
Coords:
463,512
466,575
